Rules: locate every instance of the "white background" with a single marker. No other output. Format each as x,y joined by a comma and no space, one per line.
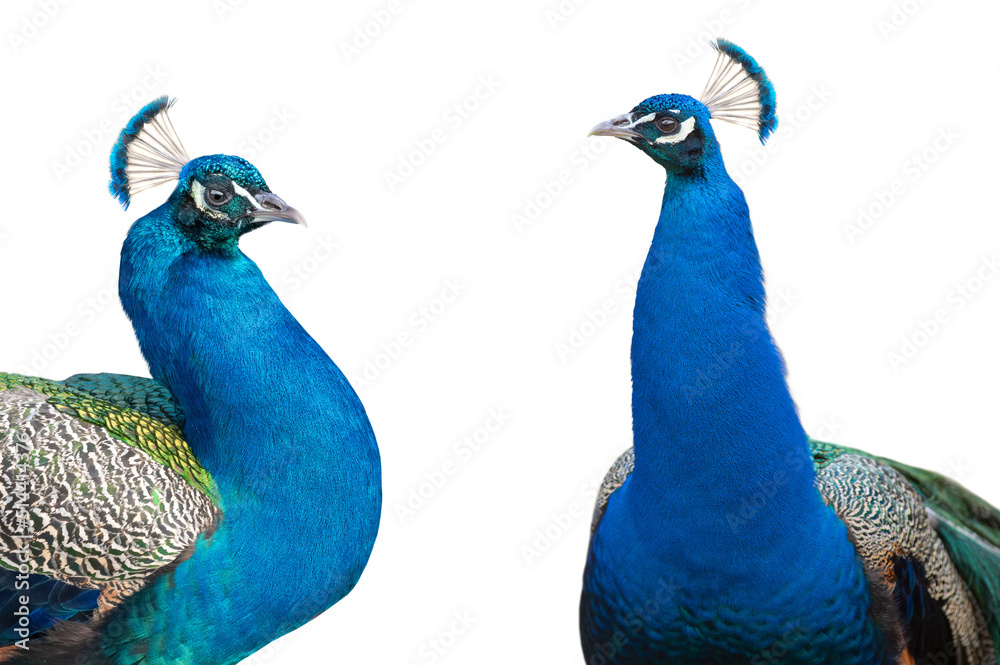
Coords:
862,96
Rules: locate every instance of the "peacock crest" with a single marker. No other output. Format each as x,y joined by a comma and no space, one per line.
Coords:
738,91
148,152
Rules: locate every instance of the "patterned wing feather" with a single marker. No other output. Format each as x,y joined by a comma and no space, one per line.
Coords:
902,542
614,478
94,497
970,530
131,392
163,441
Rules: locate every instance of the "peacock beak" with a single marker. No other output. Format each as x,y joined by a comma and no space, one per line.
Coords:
274,209
620,127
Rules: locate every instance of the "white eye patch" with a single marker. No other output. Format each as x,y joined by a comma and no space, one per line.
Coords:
198,194
686,128
245,194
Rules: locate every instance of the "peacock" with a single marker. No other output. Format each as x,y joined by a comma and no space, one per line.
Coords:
726,534
195,516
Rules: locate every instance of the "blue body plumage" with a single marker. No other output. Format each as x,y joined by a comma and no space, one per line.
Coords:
280,430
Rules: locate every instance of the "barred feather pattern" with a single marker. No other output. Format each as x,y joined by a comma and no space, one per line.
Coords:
887,518
614,478
100,513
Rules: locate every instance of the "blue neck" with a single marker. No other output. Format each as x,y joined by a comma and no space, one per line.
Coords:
277,425
718,443
720,513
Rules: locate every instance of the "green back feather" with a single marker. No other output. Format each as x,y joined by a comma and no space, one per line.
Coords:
139,420
131,392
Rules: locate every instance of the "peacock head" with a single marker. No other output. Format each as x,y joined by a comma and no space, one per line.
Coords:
217,199
676,130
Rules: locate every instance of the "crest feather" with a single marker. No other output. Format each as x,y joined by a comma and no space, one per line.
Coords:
148,152
738,91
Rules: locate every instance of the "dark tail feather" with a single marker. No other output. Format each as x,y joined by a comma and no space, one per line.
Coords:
978,562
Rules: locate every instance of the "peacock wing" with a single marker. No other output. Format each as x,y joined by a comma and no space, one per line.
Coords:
96,498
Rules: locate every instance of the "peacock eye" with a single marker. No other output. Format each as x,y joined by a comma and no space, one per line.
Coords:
667,124
217,197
